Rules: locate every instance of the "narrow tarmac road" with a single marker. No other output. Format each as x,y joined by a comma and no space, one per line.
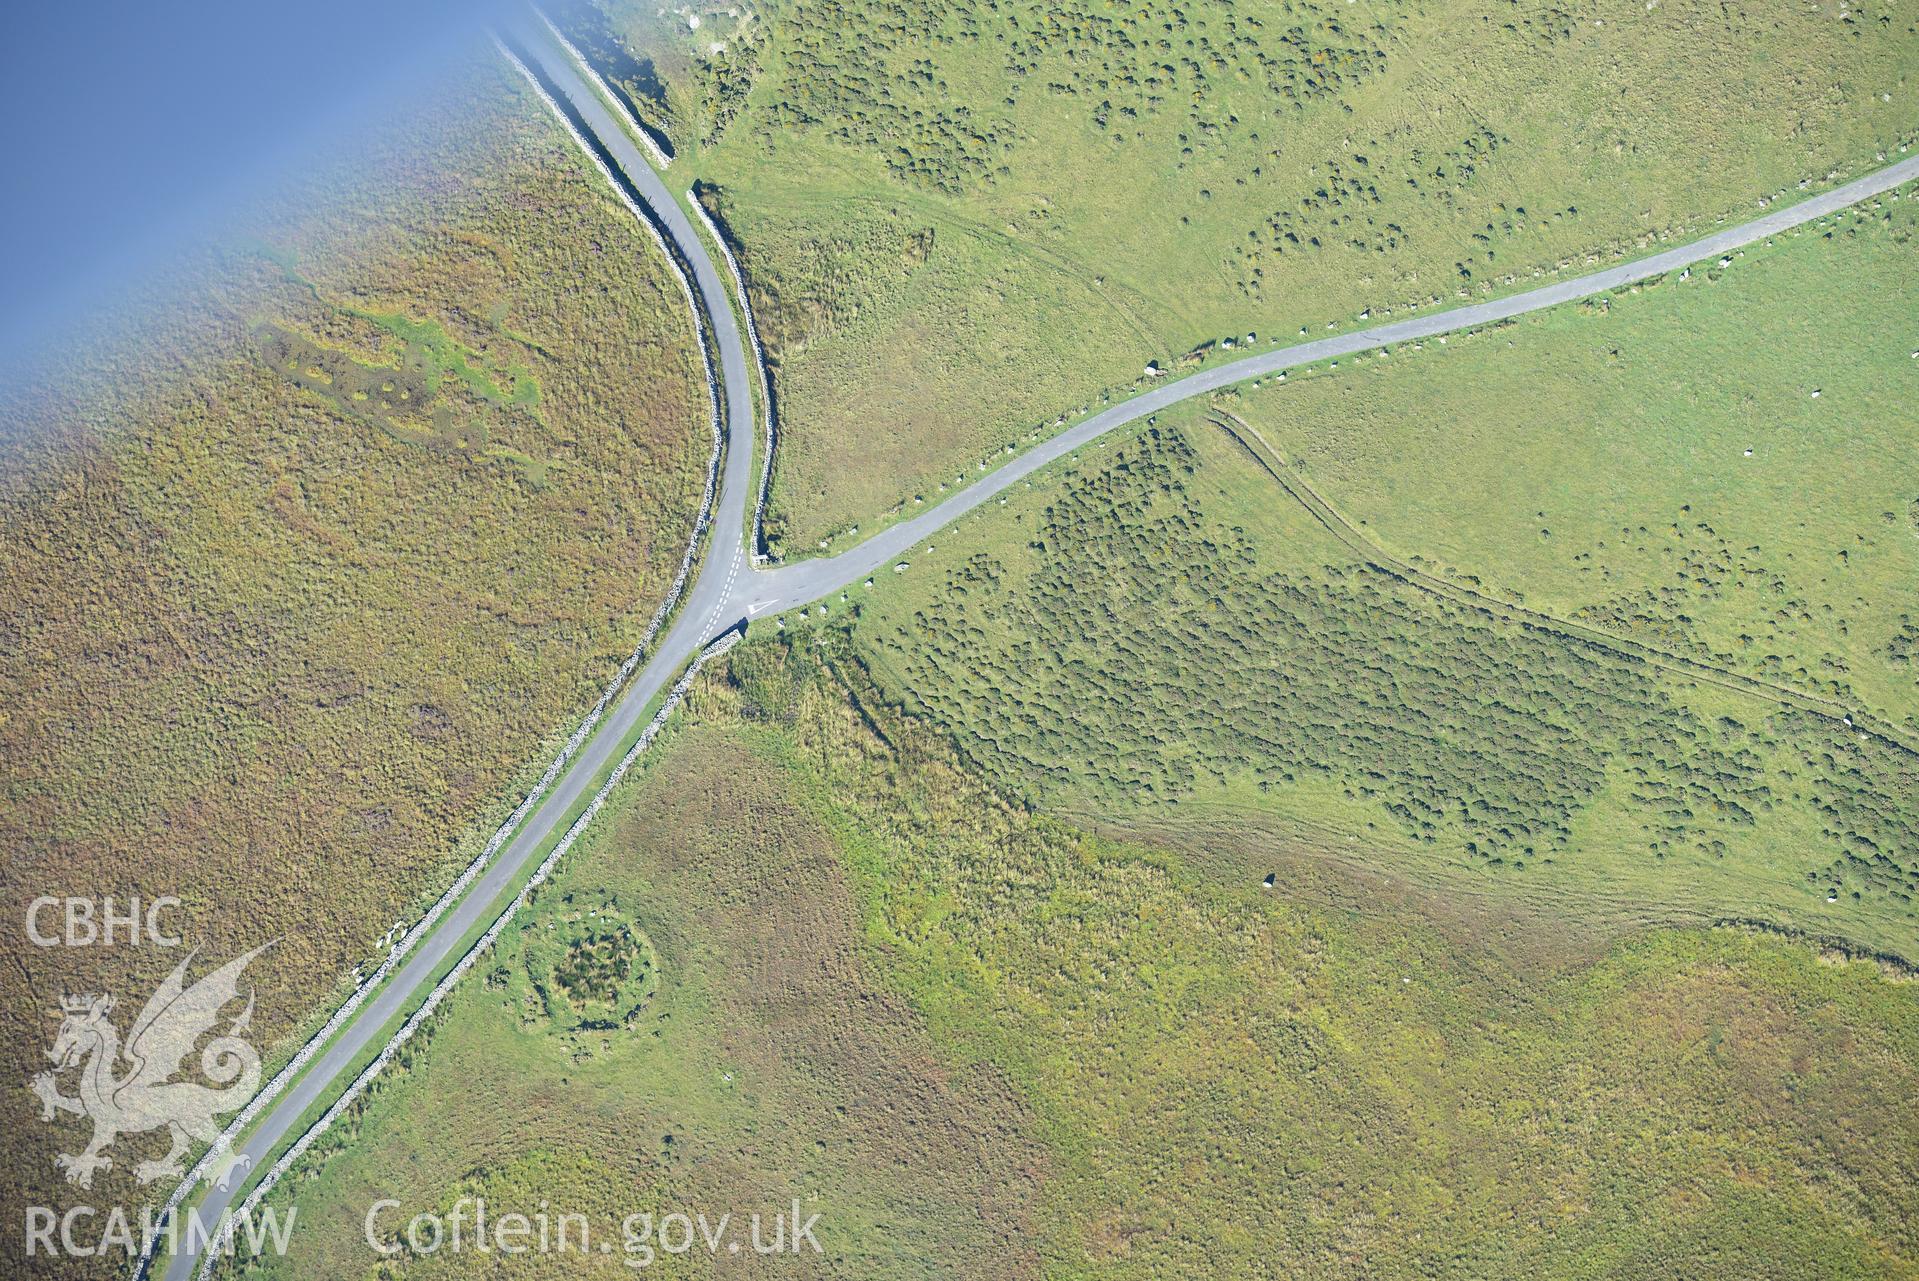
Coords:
706,611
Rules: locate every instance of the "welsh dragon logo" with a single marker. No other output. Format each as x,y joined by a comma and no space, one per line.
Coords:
128,1088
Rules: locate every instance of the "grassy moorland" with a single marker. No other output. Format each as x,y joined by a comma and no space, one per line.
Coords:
763,1058
1167,632
1140,881
1722,464
965,220
302,570
982,1042
1163,636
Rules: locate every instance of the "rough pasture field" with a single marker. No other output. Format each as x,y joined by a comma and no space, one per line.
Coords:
963,221
993,1044
1167,631
771,1061
305,572
1164,634
1722,464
